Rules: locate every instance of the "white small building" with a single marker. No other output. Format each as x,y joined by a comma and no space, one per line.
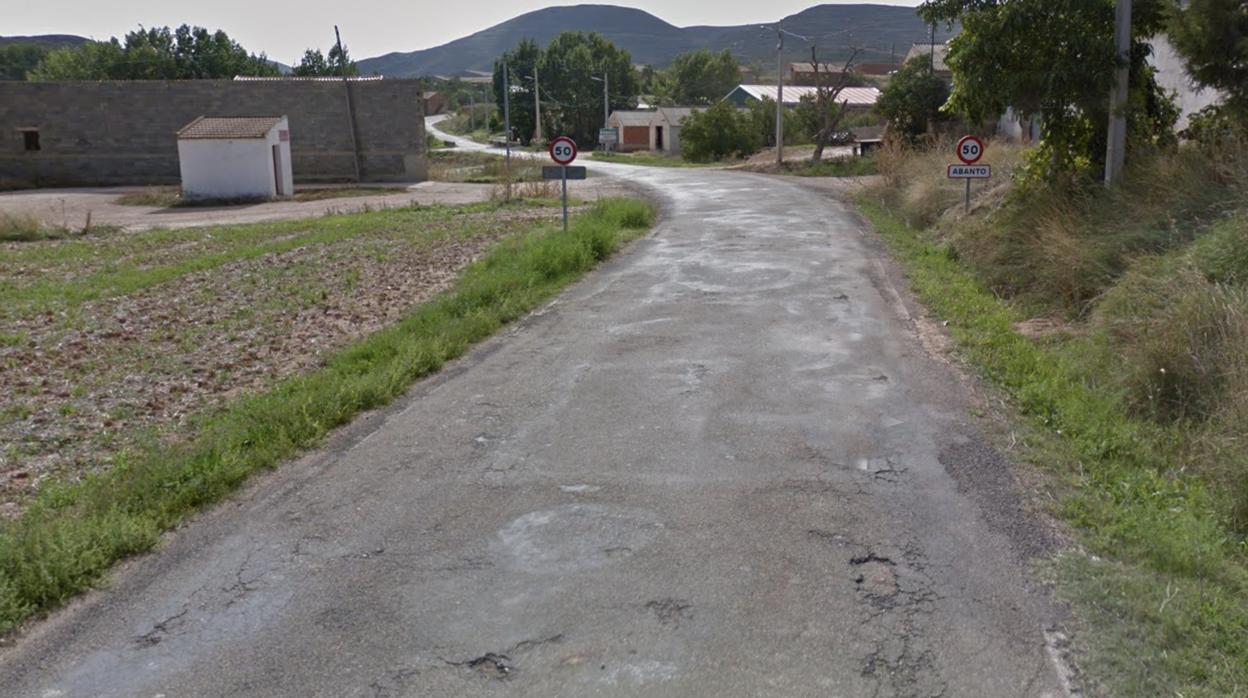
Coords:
236,158
665,129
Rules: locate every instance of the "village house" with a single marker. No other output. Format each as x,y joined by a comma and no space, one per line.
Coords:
634,129
236,158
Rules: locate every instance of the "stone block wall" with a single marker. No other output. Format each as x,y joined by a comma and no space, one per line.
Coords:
107,133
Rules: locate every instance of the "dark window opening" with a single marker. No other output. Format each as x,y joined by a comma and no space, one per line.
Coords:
32,140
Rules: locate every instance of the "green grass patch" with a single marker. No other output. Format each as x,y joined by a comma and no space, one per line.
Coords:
1123,490
171,197
19,228
72,533
130,263
832,167
649,159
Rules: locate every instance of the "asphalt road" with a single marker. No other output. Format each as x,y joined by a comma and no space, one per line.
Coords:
722,465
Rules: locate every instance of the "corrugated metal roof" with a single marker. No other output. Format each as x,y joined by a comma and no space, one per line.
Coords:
230,127
307,78
673,115
856,96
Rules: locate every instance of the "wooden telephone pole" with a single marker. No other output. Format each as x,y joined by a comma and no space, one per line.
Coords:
1116,153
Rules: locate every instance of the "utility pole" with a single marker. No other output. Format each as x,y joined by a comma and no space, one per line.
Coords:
1116,154
779,95
472,115
606,106
931,58
507,111
537,107
346,88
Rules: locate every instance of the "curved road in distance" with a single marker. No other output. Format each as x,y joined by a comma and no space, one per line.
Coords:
723,464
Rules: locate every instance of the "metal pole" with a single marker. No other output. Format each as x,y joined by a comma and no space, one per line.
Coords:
564,170
507,113
606,101
472,115
968,196
346,89
1116,155
780,96
931,58
537,106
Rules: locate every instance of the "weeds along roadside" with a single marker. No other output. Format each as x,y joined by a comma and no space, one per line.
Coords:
1134,393
72,533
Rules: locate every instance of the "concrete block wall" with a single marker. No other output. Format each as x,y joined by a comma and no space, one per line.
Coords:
106,133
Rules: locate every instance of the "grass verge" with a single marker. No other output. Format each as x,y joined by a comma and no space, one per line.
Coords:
73,532
1164,597
649,159
171,197
21,228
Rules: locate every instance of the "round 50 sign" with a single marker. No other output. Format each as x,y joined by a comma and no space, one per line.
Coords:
970,150
563,150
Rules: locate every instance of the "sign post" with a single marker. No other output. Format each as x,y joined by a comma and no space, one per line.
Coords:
563,152
969,150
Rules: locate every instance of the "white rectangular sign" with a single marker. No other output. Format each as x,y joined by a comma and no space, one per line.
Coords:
970,171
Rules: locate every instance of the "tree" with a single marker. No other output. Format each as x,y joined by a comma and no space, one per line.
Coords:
830,113
159,53
1055,59
568,68
1212,37
717,133
522,61
18,59
338,63
913,99
697,78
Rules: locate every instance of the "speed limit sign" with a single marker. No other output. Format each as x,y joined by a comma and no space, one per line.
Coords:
563,150
970,150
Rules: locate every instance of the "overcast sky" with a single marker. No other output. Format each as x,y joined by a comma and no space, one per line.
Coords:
369,27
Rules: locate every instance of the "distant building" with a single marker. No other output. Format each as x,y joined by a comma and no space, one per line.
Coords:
657,131
858,98
435,103
95,133
236,158
634,129
935,54
805,73
665,129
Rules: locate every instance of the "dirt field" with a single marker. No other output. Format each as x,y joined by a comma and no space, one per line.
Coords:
70,208
107,340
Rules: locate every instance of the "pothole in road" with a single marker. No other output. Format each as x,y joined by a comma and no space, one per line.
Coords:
874,576
575,537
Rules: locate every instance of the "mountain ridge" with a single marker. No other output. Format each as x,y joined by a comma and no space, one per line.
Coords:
885,31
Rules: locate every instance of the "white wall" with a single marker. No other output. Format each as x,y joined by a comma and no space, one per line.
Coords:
230,169
1172,75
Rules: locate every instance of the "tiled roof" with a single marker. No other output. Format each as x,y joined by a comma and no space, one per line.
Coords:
673,115
230,127
632,118
936,53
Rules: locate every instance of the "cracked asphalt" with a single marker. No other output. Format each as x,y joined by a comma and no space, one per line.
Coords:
724,464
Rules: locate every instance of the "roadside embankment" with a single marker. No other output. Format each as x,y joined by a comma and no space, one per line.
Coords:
1117,323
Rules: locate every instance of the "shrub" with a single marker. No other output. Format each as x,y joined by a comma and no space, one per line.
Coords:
716,134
